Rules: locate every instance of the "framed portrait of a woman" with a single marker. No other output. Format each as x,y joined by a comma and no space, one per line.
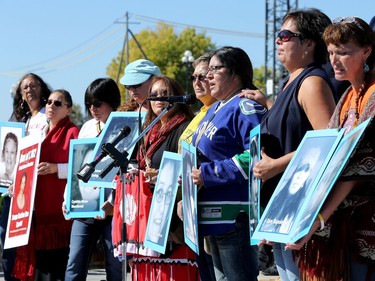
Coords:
189,197
114,125
329,177
163,201
297,185
254,183
10,136
82,201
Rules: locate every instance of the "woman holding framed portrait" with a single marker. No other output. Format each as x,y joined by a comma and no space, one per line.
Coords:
163,136
349,207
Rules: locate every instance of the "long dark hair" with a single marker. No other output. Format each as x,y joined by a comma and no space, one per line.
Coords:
21,110
238,63
174,89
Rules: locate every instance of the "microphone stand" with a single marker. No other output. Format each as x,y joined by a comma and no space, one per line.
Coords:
120,159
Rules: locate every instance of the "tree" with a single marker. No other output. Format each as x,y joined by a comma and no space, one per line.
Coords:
165,49
76,115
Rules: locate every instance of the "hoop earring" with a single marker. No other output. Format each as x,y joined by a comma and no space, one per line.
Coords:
22,104
366,68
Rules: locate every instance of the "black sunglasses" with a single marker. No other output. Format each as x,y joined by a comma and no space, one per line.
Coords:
285,35
95,103
128,87
56,103
199,77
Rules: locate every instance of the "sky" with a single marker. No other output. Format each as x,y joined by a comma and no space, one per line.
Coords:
70,43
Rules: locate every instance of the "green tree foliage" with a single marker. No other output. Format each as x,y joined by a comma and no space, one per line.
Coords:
258,77
165,48
76,116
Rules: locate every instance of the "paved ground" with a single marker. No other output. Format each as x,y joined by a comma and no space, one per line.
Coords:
99,275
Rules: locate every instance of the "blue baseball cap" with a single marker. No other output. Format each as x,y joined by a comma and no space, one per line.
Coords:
139,71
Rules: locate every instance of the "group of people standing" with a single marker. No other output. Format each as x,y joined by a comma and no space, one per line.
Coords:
60,249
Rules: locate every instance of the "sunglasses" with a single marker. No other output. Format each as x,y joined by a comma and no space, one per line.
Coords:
199,77
95,103
341,20
285,35
56,103
160,93
128,87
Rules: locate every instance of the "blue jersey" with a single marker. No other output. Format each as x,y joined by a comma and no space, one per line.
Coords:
221,135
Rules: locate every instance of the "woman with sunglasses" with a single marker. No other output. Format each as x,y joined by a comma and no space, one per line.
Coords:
102,97
349,207
177,262
203,93
222,182
305,101
50,233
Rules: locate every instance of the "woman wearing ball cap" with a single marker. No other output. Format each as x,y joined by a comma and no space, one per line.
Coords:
137,79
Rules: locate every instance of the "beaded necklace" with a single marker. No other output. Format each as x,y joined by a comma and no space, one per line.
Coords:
356,101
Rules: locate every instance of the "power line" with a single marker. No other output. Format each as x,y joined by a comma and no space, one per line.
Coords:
208,29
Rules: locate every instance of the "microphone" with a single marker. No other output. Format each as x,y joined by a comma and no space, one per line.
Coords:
87,169
189,99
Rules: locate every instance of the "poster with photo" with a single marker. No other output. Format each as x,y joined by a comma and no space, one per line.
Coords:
82,201
163,201
24,186
331,173
296,185
254,183
115,123
10,136
189,197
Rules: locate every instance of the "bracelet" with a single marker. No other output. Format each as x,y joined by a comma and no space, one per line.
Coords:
320,217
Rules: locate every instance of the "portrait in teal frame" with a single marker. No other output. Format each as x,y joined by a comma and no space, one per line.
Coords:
116,121
332,172
163,202
12,130
254,183
296,187
82,201
189,197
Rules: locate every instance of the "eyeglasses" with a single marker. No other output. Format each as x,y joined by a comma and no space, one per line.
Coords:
341,20
199,77
32,86
160,93
128,87
159,195
214,69
285,35
56,103
95,103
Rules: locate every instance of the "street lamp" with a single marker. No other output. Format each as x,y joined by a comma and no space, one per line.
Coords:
188,60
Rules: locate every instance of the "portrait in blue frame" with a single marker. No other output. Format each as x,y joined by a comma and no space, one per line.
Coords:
9,131
163,201
254,183
329,177
189,197
116,121
82,201
297,185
